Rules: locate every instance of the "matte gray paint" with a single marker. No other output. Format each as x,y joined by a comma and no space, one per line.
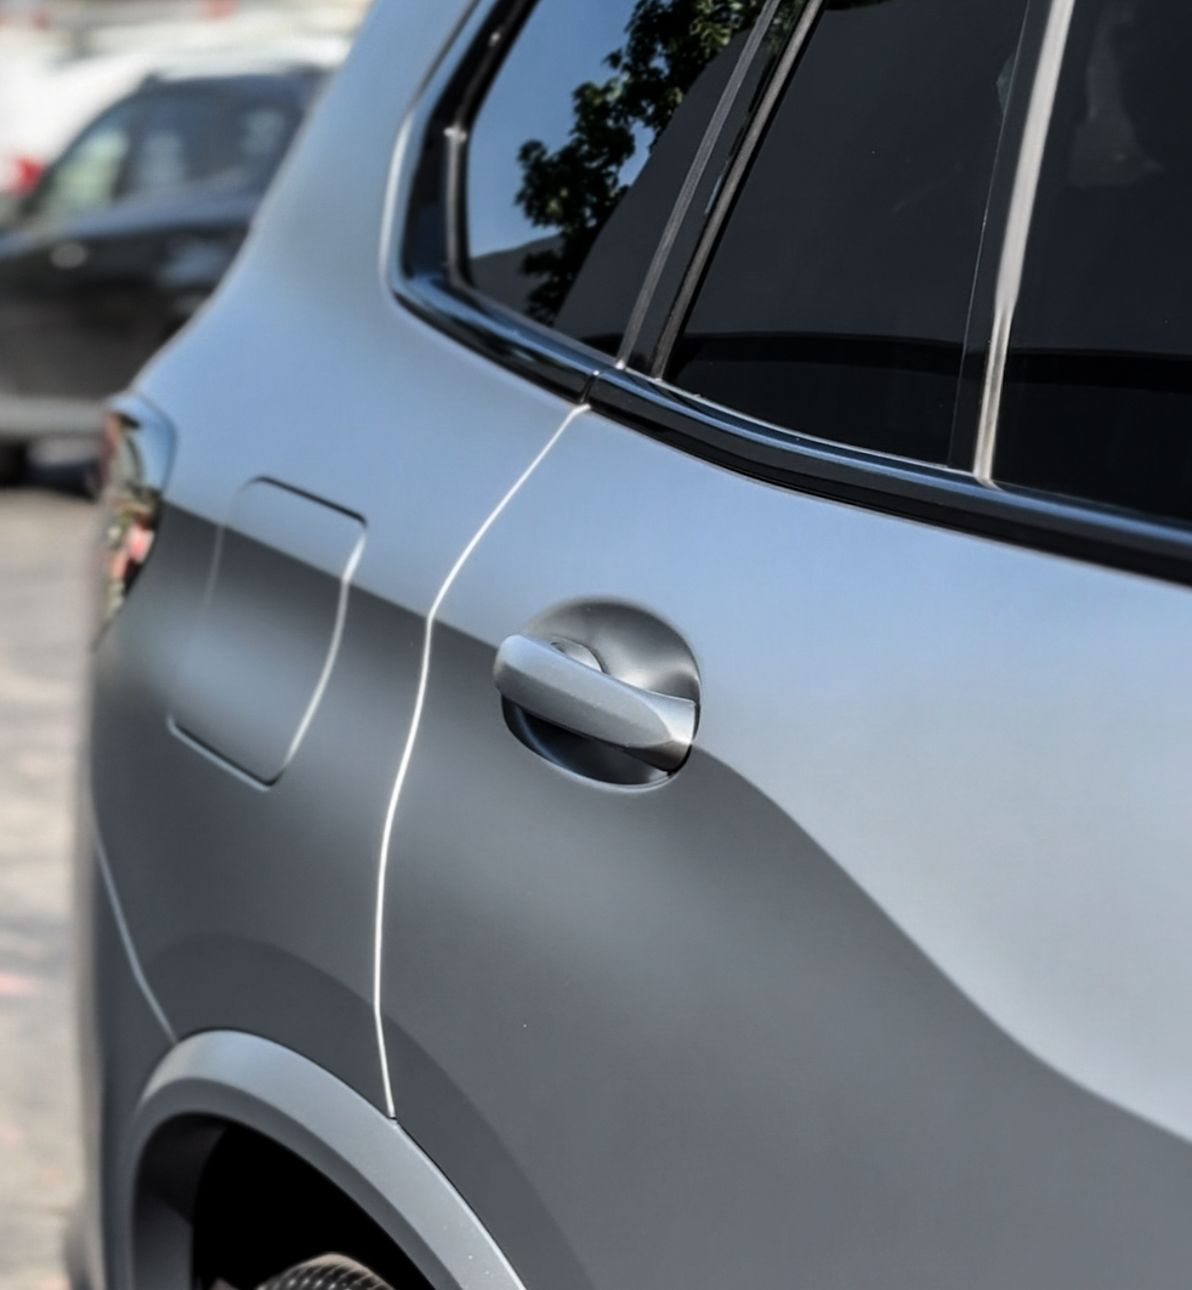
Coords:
648,1058
990,741
826,1003
250,907
254,907
120,1043
265,642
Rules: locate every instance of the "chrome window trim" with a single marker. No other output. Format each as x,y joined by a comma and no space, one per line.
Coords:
1018,227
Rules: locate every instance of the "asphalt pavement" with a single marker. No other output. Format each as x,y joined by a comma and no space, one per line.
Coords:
45,608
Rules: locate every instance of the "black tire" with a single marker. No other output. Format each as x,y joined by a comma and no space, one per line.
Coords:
14,461
327,1272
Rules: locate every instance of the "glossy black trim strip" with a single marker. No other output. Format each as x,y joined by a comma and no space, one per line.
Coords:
727,196
502,336
934,495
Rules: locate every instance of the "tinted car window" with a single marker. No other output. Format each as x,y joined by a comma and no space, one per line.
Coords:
172,150
837,299
88,174
254,135
1098,395
580,146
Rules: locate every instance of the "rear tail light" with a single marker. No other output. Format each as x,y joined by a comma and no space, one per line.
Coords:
26,171
135,457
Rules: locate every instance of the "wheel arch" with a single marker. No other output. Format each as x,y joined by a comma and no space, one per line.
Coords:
219,1079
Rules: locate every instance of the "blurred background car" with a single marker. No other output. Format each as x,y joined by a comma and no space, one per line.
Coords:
62,61
127,233
136,141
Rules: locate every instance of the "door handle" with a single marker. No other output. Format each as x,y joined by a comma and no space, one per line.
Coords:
563,683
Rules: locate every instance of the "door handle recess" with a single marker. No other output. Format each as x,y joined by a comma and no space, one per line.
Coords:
563,683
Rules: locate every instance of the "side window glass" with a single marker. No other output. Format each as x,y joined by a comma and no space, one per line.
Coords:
87,175
1097,402
836,301
579,148
254,135
172,151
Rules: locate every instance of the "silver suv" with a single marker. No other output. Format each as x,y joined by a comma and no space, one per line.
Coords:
643,718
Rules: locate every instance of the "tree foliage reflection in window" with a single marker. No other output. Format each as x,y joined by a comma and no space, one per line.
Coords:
573,189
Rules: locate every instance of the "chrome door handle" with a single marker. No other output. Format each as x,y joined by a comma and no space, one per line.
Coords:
562,683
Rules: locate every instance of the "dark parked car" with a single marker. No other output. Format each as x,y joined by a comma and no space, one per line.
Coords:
126,234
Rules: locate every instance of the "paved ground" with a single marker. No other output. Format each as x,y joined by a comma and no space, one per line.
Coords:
44,615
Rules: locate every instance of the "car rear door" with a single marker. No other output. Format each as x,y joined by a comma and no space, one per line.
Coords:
336,457
806,902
